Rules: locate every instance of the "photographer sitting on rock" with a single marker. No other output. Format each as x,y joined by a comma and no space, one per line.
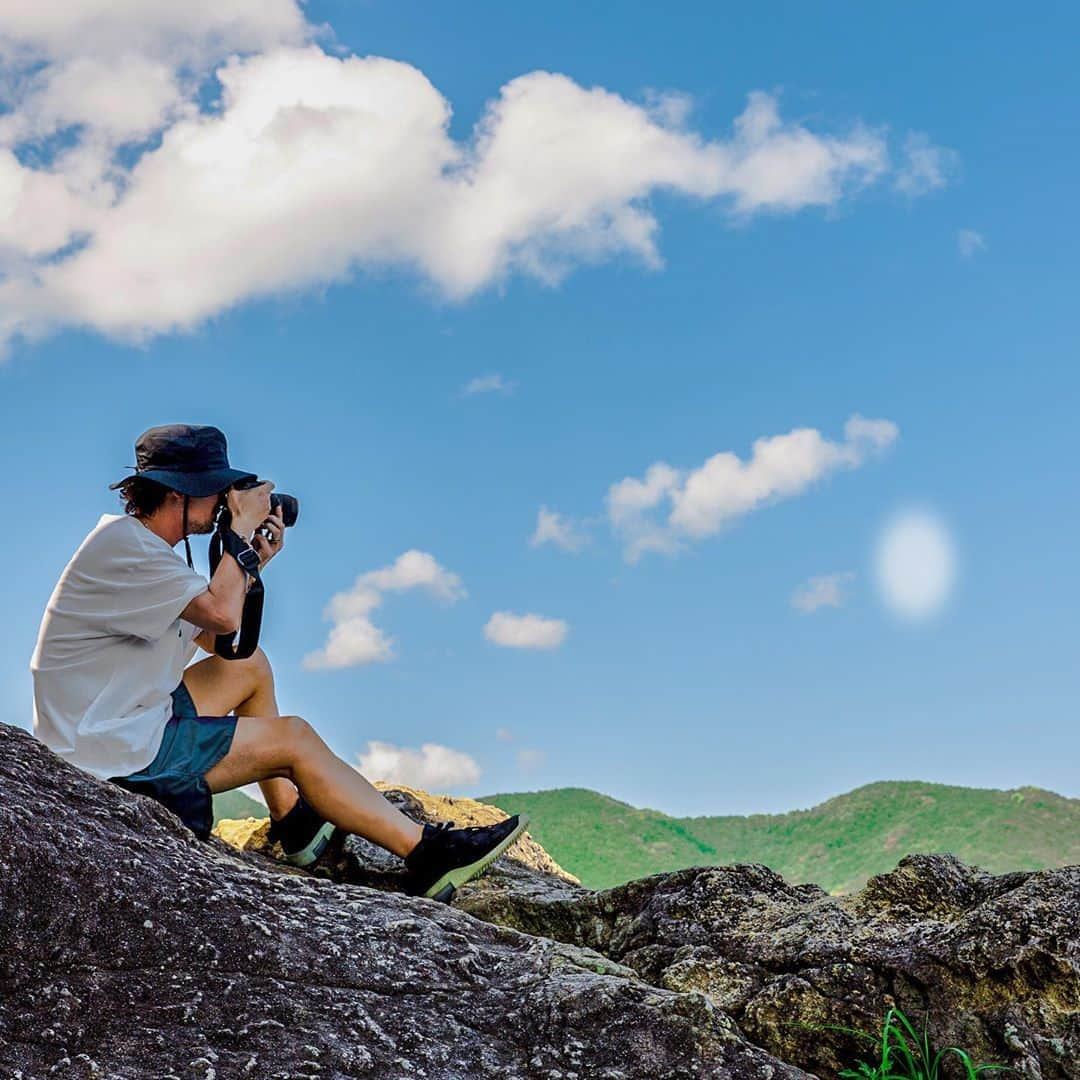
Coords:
113,695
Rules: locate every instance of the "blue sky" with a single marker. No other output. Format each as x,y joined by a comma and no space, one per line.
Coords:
934,292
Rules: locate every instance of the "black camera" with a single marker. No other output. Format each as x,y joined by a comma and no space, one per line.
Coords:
289,505
290,508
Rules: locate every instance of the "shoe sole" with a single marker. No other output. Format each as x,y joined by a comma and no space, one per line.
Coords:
444,888
315,847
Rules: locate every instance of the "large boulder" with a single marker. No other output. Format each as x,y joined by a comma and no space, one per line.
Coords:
990,963
129,949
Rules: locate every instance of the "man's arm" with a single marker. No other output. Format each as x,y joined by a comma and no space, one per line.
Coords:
206,639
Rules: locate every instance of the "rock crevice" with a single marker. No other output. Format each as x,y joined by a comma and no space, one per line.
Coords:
130,949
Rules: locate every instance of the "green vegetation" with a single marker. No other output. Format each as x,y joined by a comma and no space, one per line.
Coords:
236,804
919,1061
837,845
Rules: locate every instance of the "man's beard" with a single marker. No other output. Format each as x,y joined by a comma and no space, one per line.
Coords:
199,528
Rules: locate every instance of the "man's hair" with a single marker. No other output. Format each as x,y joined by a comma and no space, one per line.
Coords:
142,496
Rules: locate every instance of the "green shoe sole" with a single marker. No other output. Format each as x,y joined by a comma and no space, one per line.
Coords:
307,855
444,888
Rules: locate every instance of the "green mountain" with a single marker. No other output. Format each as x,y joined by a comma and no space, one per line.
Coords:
237,804
838,844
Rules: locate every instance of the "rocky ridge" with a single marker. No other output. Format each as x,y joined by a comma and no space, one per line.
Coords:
130,949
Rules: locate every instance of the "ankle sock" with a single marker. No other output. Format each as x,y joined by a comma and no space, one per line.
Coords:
424,845
298,826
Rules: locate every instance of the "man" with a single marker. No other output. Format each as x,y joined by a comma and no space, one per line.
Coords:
113,695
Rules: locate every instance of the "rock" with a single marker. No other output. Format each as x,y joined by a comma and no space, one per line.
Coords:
129,949
991,962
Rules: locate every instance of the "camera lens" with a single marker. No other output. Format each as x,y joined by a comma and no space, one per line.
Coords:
290,507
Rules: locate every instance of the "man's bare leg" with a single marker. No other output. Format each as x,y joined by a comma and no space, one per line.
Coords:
287,746
338,793
280,793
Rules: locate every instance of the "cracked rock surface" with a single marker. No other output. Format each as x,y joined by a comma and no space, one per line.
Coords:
129,949
992,963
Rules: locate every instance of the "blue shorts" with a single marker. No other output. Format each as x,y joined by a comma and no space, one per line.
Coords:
190,746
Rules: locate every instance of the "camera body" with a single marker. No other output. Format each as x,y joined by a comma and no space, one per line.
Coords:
290,508
288,504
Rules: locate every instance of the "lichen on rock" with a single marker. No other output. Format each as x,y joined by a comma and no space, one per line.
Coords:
130,949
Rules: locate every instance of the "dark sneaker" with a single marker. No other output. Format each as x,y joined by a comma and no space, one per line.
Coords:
302,834
447,857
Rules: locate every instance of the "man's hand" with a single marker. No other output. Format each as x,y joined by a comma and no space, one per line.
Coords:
267,549
248,507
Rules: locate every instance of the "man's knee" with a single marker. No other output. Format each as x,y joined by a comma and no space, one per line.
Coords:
254,669
299,732
301,742
259,662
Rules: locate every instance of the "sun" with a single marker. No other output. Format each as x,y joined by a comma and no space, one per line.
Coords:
915,564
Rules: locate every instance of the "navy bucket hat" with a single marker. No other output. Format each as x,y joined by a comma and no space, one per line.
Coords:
189,458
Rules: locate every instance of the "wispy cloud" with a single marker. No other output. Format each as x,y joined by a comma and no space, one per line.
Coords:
554,175
819,592
354,639
925,167
555,528
487,384
969,242
433,767
525,631
529,760
670,507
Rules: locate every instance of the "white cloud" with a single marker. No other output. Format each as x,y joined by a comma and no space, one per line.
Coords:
925,167
702,501
819,592
198,29
488,384
630,503
555,528
119,70
530,760
525,631
415,570
671,108
504,735
433,767
354,639
770,165
969,242
119,98
312,167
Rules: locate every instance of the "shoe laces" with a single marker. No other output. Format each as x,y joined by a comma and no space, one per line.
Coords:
446,826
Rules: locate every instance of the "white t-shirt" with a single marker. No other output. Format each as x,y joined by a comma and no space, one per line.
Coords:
112,647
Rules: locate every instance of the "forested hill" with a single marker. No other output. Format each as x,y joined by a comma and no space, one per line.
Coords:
237,804
838,844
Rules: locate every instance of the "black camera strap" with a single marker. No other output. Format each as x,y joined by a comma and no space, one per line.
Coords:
251,617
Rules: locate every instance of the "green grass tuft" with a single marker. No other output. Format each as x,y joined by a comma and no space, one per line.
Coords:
918,1062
